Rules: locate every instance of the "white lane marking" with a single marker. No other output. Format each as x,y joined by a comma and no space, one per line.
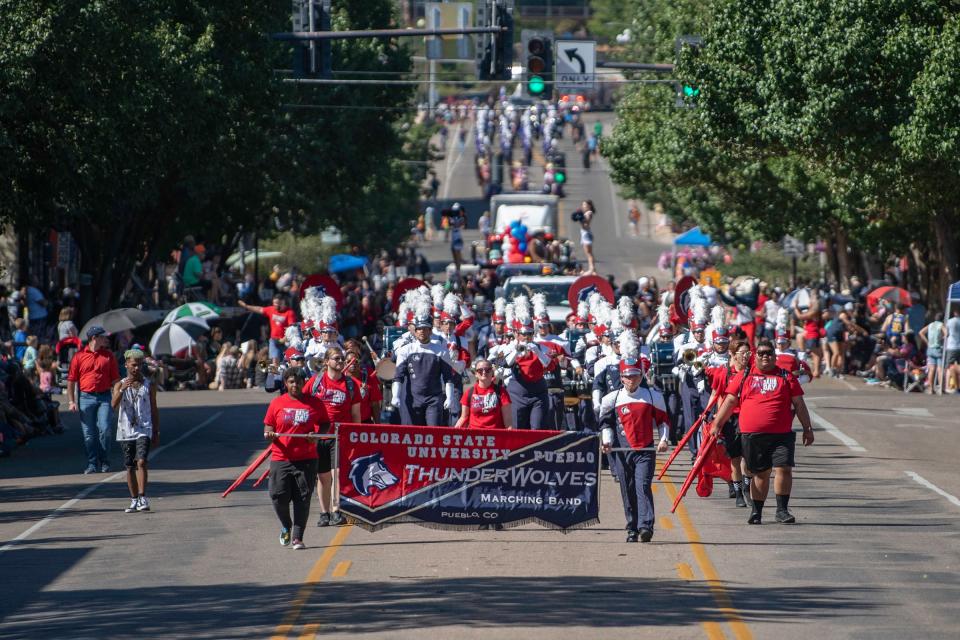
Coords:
830,428
929,485
911,412
850,386
613,203
910,425
452,167
88,490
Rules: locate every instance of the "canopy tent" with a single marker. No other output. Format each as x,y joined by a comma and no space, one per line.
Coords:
693,237
342,262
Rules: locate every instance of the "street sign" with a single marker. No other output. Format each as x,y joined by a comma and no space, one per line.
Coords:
575,64
793,247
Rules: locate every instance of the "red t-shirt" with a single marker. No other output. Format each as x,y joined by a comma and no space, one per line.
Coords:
766,401
289,415
94,371
335,396
485,407
719,378
279,321
369,396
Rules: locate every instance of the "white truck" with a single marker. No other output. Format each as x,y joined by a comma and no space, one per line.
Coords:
537,211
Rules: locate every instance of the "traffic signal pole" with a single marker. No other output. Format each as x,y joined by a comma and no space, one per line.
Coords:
294,36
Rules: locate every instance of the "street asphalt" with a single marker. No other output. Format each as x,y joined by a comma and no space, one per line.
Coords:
875,552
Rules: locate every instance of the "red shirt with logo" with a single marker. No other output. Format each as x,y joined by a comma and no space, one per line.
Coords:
484,406
289,415
279,321
719,378
94,371
766,402
636,413
335,395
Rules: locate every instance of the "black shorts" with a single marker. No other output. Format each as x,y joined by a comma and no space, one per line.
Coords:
731,437
134,450
325,454
291,480
763,451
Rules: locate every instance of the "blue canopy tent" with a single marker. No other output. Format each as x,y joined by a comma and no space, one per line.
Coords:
693,237
343,262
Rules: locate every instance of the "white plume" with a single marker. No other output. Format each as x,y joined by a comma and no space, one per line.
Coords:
717,316
602,313
436,294
583,310
663,314
625,310
539,301
293,338
629,347
328,310
310,305
616,324
500,306
422,307
698,304
451,304
521,309
508,315
783,318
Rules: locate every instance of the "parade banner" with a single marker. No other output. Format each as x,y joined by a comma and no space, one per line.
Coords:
447,478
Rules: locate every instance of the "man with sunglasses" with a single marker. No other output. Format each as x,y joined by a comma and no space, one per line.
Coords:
767,397
629,416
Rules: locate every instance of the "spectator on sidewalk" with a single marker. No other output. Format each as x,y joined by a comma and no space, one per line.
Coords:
93,372
952,354
37,311
65,324
934,335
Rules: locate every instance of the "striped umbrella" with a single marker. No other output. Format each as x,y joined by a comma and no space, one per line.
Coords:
173,337
194,310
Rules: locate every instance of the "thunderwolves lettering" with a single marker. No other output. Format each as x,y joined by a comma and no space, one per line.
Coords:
516,477
370,472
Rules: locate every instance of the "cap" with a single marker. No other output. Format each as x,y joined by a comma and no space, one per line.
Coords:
423,321
721,335
292,354
96,330
634,367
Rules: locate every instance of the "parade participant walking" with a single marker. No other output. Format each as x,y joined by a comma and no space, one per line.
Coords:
526,363
293,461
664,380
423,388
788,359
720,377
487,404
767,397
585,217
694,394
94,372
452,334
628,417
457,221
340,396
138,426
280,316
371,395
320,317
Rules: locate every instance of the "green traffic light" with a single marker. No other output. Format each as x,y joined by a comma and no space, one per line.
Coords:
559,177
690,92
535,85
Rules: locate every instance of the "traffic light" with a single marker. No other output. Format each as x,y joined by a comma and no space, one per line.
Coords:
537,62
687,47
311,59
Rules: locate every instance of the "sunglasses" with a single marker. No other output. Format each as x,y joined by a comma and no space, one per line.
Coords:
483,370
764,353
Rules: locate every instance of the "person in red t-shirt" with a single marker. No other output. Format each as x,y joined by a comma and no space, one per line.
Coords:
94,371
293,461
767,397
486,405
280,316
719,378
340,395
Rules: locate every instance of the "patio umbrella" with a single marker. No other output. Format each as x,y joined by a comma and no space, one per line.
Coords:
177,336
117,320
342,262
895,295
250,257
194,310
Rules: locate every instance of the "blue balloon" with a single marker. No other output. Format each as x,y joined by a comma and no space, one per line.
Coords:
524,229
514,223
522,246
518,234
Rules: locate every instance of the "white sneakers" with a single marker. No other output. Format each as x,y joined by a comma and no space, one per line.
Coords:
138,504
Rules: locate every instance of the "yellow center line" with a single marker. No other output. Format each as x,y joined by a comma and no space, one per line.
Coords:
314,577
713,630
341,569
720,595
310,631
685,571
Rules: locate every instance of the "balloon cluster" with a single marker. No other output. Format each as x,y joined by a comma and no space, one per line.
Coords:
514,247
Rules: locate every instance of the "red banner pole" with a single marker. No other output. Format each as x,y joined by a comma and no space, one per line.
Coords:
705,447
247,472
262,477
686,437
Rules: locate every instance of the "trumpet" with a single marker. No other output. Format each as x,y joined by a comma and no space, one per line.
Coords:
265,366
691,359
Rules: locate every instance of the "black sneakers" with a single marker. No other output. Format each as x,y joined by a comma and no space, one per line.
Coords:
646,535
741,502
337,519
632,536
732,490
324,520
785,517
755,518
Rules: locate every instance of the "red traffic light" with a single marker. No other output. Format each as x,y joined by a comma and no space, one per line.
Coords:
536,46
536,64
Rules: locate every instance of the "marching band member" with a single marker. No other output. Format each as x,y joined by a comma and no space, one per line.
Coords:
323,328
664,380
497,334
452,334
628,417
371,396
694,393
559,358
789,359
425,374
525,363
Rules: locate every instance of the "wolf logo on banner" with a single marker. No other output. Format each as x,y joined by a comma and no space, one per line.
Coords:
371,472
